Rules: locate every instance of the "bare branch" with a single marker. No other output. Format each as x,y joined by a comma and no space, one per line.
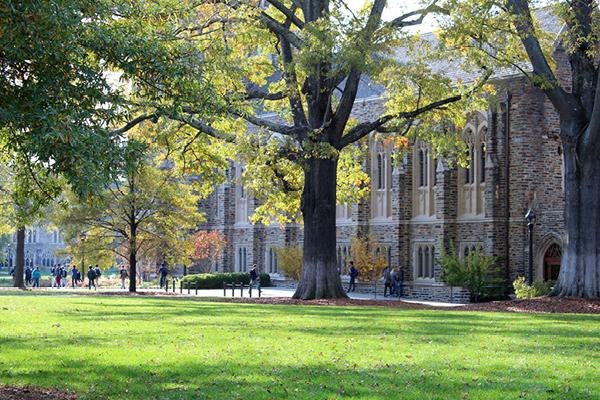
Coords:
134,122
404,21
202,127
287,12
281,30
252,93
270,125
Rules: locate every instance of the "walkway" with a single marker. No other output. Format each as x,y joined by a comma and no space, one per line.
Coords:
266,292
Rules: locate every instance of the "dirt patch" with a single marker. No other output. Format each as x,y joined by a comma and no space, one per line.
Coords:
31,393
539,305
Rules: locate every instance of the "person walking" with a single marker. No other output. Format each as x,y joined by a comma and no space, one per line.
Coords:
124,275
58,275
398,279
353,275
163,271
98,274
28,276
254,278
91,278
74,276
387,282
63,275
53,276
36,275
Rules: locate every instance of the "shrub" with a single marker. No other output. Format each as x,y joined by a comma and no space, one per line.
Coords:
524,291
215,281
473,272
290,261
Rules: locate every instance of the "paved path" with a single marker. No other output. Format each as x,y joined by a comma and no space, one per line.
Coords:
266,292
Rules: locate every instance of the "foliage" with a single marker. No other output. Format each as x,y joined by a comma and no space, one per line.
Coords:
215,281
208,245
524,291
473,272
291,349
369,262
147,213
290,261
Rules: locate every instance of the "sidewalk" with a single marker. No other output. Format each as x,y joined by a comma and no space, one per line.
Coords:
266,292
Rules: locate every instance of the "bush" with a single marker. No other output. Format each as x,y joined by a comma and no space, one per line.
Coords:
473,272
524,291
215,281
290,261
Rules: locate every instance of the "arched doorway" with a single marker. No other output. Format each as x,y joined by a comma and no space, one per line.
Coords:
551,262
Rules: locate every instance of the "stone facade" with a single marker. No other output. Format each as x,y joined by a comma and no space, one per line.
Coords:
41,245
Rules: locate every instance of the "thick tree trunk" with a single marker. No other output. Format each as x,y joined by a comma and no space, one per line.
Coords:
320,278
580,266
18,280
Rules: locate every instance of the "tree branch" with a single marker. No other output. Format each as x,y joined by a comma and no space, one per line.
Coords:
287,12
202,127
564,103
134,122
253,93
270,125
404,21
280,30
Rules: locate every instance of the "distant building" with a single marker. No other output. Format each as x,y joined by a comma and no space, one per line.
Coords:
40,247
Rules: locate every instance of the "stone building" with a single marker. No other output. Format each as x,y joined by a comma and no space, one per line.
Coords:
41,245
424,204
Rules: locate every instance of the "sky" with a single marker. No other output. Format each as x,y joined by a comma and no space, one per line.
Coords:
395,8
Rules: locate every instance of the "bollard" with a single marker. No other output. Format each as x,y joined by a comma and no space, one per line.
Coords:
259,291
188,288
242,289
250,290
233,290
180,287
166,285
174,285
197,288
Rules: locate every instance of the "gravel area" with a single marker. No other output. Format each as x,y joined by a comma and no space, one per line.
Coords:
30,393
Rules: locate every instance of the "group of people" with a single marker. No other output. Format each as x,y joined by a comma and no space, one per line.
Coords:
59,274
393,280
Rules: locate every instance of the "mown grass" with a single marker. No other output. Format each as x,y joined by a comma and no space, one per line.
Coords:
174,348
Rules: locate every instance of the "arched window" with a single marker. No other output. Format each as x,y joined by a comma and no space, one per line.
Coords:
424,179
241,197
420,262
424,262
381,178
472,180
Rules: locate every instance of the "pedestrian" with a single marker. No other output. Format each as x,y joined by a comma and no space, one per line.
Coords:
53,276
36,275
124,275
79,276
63,276
28,276
12,271
163,271
387,282
58,275
398,280
254,278
353,275
91,278
98,274
74,276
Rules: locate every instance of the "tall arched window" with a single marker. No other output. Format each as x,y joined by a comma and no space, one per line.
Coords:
424,261
241,198
471,185
381,178
424,180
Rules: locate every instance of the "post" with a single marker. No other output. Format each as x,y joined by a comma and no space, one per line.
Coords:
250,290
530,278
180,287
174,285
197,289
166,285
242,289
224,289
259,291
233,289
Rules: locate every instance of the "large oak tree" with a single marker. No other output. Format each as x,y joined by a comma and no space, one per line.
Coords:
302,61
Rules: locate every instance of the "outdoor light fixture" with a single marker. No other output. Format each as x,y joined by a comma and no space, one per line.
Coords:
530,217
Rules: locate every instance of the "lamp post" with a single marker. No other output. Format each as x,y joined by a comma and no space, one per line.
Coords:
83,239
530,217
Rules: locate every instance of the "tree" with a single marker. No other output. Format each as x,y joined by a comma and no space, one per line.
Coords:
506,34
208,247
290,261
149,210
303,61
368,258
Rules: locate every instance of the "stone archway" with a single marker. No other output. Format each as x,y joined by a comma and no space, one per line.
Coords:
548,258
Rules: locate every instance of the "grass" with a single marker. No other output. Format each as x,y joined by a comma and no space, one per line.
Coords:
175,348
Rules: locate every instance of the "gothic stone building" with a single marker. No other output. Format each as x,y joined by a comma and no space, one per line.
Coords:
424,204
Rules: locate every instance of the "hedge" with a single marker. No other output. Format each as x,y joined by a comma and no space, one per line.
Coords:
215,281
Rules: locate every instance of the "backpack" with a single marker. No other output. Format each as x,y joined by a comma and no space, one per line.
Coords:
97,271
64,273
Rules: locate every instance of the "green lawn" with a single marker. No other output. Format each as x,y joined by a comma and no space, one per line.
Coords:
154,348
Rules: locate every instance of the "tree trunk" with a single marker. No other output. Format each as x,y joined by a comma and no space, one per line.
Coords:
132,258
18,280
580,266
320,278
